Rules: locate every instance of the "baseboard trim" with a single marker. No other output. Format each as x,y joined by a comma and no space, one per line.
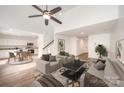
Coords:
82,53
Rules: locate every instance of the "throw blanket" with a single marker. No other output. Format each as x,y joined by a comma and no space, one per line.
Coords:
49,81
93,81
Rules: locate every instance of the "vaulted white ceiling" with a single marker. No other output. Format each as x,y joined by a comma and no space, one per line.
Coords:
16,17
74,18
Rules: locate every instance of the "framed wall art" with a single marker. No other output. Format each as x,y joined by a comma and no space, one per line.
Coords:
120,50
61,44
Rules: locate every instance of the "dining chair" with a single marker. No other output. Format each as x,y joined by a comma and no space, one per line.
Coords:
11,56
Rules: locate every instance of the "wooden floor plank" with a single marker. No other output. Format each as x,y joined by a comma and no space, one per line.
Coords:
17,75
83,56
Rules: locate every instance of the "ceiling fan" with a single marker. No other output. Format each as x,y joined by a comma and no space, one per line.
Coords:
47,14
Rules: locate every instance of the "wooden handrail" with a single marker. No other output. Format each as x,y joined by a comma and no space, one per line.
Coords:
48,44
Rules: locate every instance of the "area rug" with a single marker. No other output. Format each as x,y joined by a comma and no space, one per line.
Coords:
49,81
93,81
20,62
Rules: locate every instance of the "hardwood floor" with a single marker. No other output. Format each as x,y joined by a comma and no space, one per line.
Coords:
83,56
16,75
20,75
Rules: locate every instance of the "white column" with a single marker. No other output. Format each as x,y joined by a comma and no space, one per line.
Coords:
40,45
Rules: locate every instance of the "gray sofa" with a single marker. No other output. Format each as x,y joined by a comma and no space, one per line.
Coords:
46,67
113,74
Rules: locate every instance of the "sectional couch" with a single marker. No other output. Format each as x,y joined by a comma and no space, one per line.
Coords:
47,67
112,75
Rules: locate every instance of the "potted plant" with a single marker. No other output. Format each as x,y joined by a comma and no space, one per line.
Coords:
101,51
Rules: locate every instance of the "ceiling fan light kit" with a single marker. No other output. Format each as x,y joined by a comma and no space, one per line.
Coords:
47,14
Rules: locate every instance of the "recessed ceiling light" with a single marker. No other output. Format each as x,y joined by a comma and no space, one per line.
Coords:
60,13
82,33
10,30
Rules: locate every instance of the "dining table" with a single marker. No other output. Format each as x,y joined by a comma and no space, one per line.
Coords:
23,55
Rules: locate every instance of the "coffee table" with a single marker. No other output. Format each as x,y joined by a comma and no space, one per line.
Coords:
74,65
74,71
69,73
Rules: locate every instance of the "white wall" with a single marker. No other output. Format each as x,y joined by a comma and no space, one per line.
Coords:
53,48
67,43
40,43
48,34
84,42
82,16
78,46
118,32
94,40
81,45
73,45
12,40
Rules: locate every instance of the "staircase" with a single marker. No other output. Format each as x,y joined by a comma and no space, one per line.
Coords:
48,45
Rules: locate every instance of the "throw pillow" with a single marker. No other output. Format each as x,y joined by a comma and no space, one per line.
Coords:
62,53
99,66
52,58
46,57
66,54
102,60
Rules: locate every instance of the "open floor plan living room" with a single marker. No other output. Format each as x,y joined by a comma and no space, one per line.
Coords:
61,46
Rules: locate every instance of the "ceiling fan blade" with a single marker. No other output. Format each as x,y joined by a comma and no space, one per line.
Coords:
36,7
55,10
56,20
46,22
35,16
